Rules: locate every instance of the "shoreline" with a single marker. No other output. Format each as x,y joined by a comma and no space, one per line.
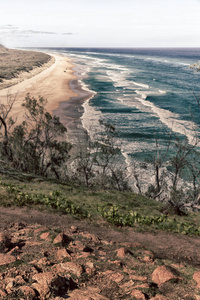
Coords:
58,84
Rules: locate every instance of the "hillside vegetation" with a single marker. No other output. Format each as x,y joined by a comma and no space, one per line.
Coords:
118,208
14,61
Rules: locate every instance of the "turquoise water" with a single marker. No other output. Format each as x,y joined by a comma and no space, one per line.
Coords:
146,93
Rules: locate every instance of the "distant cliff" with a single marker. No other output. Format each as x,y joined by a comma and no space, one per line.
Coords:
13,62
3,49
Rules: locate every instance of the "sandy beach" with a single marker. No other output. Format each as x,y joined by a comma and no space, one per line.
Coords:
56,83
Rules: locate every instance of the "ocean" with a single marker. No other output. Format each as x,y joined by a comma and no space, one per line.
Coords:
146,93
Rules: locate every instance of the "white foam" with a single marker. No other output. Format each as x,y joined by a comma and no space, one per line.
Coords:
118,78
142,94
172,121
90,118
146,86
162,92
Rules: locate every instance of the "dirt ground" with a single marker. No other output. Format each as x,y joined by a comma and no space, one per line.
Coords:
164,245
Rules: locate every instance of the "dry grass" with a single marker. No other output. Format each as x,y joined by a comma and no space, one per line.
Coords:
13,62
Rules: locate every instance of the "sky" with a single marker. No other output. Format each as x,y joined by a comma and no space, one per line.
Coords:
100,23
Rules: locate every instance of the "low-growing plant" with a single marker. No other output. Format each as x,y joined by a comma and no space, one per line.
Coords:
130,218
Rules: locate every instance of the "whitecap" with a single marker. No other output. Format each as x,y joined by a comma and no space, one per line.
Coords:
172,121
146,86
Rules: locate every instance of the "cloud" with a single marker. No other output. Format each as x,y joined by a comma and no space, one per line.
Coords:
37,32
67,33
13,36
13,30
7,27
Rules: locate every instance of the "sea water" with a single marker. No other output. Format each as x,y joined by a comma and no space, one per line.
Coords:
148,94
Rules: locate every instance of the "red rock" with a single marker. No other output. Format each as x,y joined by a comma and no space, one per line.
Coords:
61,238
102,253
148,256
77,245
32,244
127,285
38,230
130,271
62,253
116,262
107,272
74,229
6,259
163,274
90,264
44,278
196,277
13,281
10,285
106,242
142,286
90,293
28,292
2,294
90,236
43,290
83,255
15,251
138,278
138,294
122,252
132,245
46,281
116,277
45,235
89,268
72,267
178,266
5,241
44,261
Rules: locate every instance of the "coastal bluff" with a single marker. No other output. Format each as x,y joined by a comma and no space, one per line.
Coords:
18,65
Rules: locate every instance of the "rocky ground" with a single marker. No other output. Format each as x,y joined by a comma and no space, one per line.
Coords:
43,261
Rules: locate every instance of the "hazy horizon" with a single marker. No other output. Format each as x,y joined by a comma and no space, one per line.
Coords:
105,24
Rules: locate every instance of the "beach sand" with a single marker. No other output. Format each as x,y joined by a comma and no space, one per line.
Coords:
56,83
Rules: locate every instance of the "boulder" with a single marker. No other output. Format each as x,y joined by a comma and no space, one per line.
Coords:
62,253
72,267
87,294
138,294
28,292
121,252
5,241
2,294
196,277
45,235
48,281
164,274
62,238
138,278
6,259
